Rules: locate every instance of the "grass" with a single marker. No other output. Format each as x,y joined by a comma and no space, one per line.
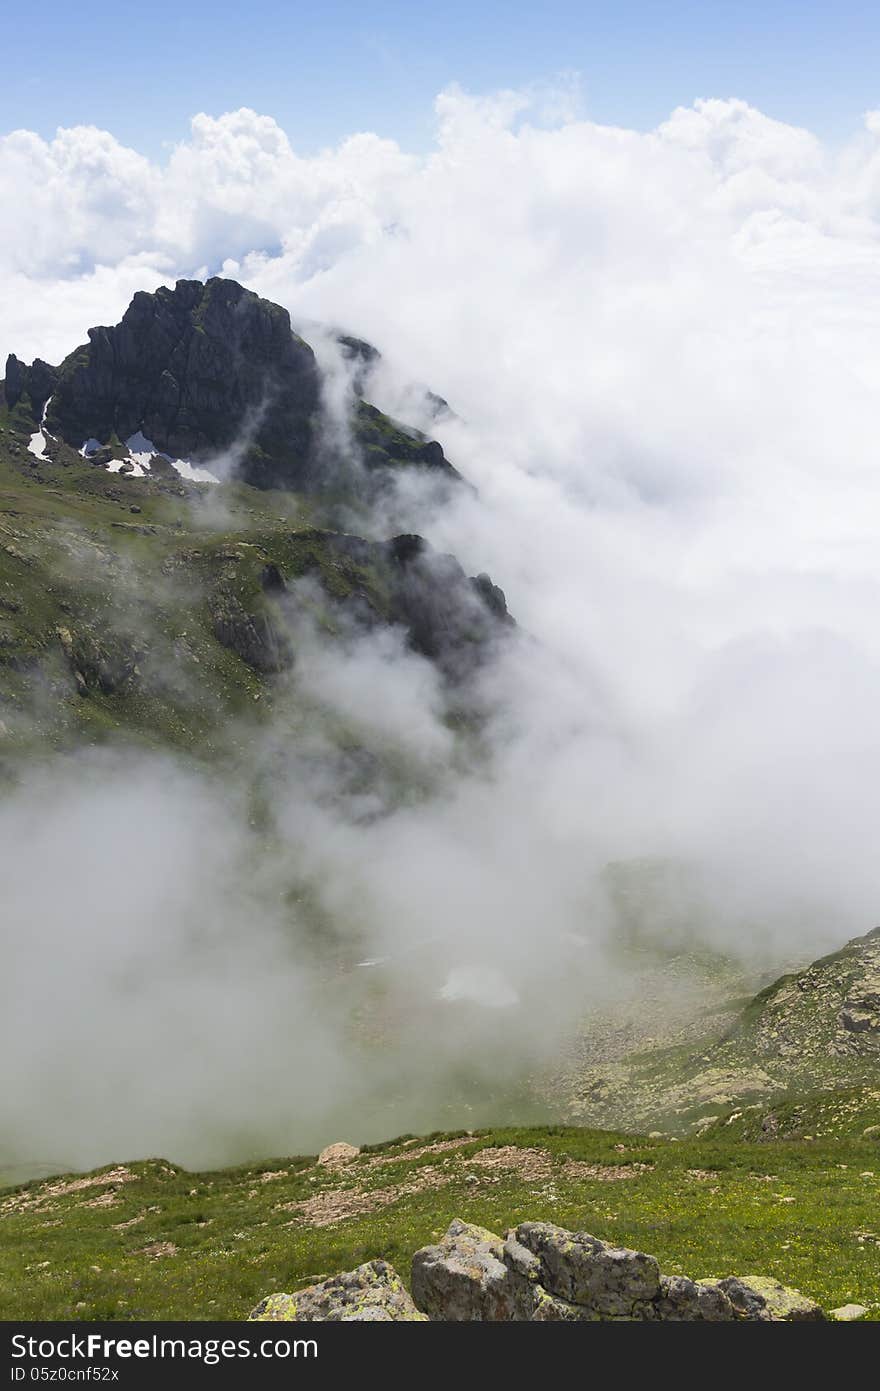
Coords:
821,1115
176,1245
134,570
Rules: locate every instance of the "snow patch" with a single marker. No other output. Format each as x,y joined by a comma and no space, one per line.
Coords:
194,472
141,450
137,461
38,441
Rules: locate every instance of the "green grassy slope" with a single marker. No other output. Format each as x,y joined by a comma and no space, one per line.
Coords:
138,606
148,1240
807,1031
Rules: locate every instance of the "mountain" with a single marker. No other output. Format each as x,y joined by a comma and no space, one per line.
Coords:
174,505
801,1054
209,372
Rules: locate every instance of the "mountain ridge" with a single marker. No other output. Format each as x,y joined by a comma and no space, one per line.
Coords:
210,370
138,595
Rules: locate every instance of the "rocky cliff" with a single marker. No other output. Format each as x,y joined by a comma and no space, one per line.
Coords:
212,374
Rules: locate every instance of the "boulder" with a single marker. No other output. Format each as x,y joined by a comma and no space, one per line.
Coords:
374,1292
543,1273
765,1300
847,1313
687,1301
340,1153
610,1281
465,1278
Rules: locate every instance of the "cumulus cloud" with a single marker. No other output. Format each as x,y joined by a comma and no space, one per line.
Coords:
663,351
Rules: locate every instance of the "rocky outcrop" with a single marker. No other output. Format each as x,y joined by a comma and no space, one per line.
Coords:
363,359
214,375
830,1010
543,1272
540,1273
758,1298
200,370
385,444
801,1058
105,664
466,1278
255,637
860,1012
372,1293
449,618
33,385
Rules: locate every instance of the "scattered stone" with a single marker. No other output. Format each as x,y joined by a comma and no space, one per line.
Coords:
157,1249
372,1293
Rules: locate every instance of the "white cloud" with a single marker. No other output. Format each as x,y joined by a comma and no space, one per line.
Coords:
665,345
664,350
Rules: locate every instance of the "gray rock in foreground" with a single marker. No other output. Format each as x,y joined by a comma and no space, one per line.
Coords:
465,1278
758,1297
543,1272
372,1293
538,1273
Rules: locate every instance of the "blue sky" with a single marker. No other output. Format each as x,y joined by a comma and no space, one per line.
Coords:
326,70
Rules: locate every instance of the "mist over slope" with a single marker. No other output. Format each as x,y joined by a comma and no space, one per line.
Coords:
661,354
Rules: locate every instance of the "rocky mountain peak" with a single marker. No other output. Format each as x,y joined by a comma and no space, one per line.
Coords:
211,373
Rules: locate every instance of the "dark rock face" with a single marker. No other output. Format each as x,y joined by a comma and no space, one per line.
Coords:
202,370
36,383
100,664
253,636
385,444
362,356
449,617
452,620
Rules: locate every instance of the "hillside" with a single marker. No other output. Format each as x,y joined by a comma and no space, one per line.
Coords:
138,594
149,1240
809,1030
787,1185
